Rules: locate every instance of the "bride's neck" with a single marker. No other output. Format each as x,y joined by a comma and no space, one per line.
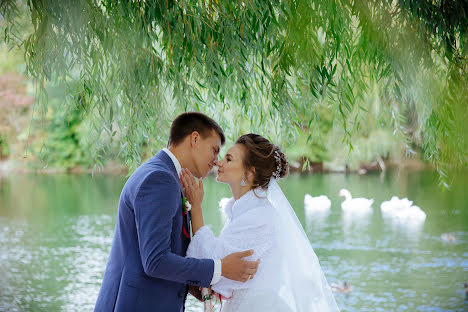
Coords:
238,191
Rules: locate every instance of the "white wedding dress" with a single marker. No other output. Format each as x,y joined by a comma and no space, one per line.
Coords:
289,277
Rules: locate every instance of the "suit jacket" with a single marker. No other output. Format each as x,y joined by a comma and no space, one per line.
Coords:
147,269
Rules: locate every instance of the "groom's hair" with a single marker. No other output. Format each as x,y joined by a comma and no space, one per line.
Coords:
189,122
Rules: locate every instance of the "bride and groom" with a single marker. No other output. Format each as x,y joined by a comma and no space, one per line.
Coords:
262,260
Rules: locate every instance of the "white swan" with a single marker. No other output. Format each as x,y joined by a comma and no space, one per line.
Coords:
395,204
222,204
355,205
402,209
316,204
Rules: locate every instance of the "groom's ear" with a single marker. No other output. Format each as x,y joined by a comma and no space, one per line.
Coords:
194,138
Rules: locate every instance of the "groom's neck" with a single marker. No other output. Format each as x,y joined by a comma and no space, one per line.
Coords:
178,152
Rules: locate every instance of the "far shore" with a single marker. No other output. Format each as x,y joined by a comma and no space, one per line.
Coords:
8,167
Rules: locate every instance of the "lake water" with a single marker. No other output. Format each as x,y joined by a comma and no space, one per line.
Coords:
56,232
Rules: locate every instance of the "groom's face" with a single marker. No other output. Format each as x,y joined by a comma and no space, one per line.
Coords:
205,152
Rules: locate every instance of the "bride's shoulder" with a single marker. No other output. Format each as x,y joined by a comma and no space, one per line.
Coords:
259,208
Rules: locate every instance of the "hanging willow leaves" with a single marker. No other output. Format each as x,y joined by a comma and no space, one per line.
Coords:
140,63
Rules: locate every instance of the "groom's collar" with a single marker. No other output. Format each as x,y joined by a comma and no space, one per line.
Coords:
174,159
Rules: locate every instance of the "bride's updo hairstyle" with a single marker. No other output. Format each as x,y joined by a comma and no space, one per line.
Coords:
267,159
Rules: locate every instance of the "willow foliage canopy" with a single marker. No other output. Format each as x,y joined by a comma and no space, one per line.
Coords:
134,65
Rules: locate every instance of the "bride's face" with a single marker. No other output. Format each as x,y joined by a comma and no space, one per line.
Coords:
231,168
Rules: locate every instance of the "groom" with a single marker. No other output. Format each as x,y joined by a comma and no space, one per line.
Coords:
147,269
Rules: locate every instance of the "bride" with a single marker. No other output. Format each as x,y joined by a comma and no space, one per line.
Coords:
289,277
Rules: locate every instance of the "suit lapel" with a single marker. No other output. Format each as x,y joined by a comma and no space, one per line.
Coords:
162,155
170,165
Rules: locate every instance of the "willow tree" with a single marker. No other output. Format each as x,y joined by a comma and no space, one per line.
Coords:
136,64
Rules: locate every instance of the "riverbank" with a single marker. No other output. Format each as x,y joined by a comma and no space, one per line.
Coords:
8,167
375,166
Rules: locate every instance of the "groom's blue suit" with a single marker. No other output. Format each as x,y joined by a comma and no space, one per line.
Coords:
147,269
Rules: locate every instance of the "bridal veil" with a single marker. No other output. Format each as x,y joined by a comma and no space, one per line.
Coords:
301,282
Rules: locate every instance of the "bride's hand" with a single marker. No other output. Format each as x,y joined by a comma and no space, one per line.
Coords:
193,192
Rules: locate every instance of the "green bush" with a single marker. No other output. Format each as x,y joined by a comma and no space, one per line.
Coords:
4,147
62,146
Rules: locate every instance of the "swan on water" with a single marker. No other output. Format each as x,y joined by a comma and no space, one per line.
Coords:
222,204
316,204
355,205
402,209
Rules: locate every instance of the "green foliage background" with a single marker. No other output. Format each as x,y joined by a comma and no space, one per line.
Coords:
322,69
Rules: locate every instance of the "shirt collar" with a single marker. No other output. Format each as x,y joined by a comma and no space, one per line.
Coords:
174,160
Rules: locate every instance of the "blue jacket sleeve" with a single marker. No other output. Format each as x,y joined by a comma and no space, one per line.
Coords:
155,207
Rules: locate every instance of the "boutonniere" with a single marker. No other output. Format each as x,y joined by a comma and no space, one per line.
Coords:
186,205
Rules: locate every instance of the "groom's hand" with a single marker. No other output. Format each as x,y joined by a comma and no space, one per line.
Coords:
238,269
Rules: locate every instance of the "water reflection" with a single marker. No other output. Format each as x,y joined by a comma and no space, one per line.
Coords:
410,230
54,243
86,262
315,220
317,210
353,221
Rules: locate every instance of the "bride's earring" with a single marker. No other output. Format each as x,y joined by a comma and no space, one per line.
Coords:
243,182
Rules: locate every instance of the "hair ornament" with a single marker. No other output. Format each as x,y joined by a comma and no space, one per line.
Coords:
277,173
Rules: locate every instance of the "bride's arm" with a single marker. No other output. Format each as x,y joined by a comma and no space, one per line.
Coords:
197,218
203,244
194,194
252,231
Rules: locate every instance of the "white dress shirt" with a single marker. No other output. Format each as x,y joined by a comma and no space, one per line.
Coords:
217,262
